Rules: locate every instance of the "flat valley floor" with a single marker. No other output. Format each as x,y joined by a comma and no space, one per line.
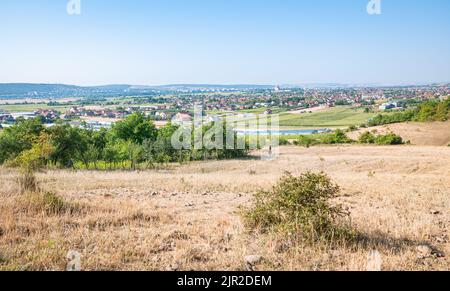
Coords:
188,217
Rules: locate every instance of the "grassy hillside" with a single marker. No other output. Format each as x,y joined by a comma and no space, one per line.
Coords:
418,133
331,118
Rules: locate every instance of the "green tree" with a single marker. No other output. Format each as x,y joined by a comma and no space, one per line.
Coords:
135,128
111,154
99,138
441,112
90,155
95,144
32,160
134,152
427,112
18,138
161,150
68,142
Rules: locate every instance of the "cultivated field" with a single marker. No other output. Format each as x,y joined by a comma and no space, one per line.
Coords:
316,118
338,117
187,217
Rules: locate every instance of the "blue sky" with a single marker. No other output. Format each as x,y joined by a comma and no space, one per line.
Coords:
153,42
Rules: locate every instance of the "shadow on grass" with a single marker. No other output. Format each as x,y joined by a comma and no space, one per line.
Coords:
247,158
379,240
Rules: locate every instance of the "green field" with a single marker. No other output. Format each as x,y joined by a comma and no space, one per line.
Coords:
261,110
338,117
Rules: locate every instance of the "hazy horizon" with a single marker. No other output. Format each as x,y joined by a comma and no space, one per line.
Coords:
237,84
154,43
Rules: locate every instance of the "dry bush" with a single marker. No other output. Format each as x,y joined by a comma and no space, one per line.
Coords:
45,202
27,182
301,207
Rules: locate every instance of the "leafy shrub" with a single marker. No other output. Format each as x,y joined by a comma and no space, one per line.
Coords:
36,157
389,139
284,141
300,206
442,112
426,112
336,137
30,161
367,138
18,138
305,141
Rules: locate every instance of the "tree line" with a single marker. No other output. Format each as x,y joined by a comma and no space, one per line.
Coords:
340,137
427,111
132,143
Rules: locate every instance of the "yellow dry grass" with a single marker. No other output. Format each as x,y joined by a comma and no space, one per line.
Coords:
187,218
418,133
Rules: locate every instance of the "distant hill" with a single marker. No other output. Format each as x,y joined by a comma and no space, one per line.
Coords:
55,91
194,87
31,90
26,90
23,90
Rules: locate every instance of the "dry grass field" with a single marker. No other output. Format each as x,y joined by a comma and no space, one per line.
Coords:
418,133
187,217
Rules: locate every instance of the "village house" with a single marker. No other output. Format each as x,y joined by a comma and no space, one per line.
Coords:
49,115
181,118
161,116
24,115
6,118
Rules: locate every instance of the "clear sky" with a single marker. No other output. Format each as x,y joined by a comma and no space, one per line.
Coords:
150,42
